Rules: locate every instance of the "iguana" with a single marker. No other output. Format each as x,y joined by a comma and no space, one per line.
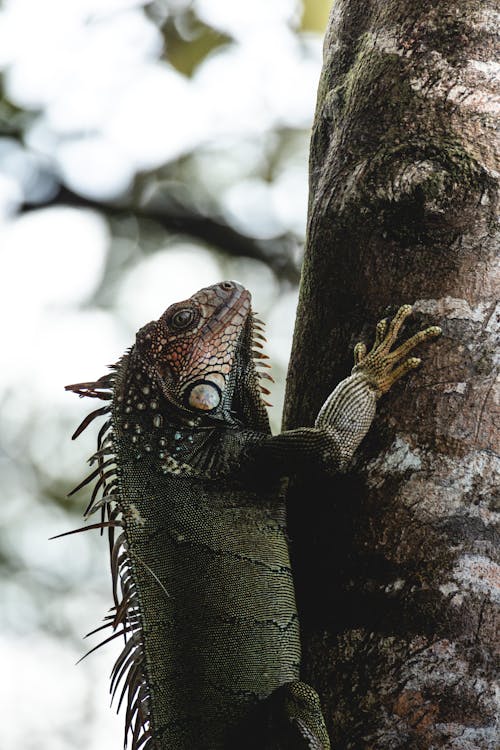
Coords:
188,483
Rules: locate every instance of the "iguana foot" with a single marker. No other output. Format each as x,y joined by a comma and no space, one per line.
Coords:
296,718
383,367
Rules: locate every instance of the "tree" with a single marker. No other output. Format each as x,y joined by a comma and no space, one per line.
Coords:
395,561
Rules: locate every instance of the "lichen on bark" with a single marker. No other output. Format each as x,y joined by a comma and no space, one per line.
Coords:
397,562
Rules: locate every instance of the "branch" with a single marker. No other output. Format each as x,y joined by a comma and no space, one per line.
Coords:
279,253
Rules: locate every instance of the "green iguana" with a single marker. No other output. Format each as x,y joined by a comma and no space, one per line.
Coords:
188,485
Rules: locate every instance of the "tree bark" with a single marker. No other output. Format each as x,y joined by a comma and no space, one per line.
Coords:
397,580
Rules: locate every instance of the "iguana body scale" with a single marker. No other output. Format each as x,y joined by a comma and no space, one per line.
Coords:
190,477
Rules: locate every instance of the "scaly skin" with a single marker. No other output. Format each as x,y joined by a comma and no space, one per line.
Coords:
203,585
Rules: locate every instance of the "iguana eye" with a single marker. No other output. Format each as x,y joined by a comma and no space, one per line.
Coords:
182,318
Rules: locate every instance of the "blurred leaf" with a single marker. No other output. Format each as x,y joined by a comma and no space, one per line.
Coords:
315,15
13,120
188,41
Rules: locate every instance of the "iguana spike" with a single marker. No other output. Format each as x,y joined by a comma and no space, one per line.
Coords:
91,526
139,723
104,501
126,654
97,630
146,737
116,676
93,475
132,707
97,389
101,503
130,683
88,419
104,434
103,643
106,451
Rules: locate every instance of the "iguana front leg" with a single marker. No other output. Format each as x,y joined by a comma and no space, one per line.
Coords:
346,415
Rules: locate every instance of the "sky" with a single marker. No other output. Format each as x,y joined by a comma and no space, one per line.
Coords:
103,107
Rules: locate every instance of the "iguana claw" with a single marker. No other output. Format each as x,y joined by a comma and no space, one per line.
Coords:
383,367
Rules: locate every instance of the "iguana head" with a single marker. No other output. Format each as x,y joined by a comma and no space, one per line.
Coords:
199,355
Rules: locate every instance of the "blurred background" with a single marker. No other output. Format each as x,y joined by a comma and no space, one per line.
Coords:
147,149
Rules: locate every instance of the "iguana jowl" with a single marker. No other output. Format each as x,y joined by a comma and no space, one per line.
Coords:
190,478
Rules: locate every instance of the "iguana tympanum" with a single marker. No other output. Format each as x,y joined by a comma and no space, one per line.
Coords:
188,484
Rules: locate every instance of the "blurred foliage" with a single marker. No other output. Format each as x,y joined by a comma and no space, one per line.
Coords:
239,193
315,15
13,120
176,191
188,41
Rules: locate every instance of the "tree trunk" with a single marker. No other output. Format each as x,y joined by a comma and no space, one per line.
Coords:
394,562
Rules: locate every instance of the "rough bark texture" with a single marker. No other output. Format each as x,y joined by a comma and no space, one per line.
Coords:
395,565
